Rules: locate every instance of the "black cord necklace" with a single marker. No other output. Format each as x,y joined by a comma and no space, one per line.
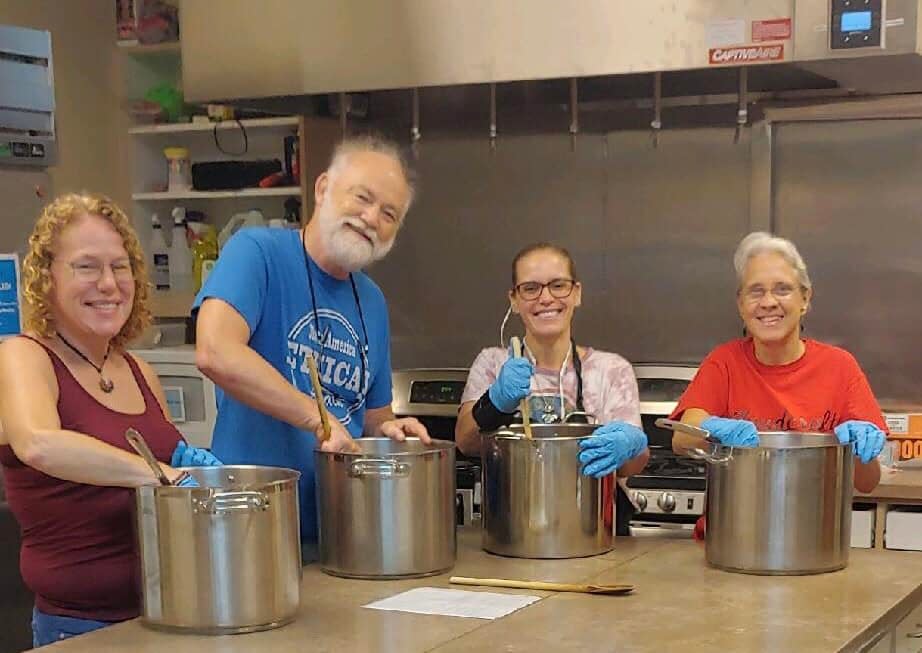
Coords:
363,346
105,384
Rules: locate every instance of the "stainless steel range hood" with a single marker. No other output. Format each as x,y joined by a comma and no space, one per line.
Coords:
294,49
891,63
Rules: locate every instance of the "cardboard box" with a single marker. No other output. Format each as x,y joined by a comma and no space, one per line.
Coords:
904,425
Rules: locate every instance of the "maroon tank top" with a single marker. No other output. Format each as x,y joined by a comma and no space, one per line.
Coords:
79,553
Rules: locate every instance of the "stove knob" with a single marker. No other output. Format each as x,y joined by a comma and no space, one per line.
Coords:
666,502
640,500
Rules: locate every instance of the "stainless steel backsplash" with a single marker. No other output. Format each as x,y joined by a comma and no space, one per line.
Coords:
653,230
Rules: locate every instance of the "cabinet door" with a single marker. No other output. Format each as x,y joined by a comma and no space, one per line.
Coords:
909,632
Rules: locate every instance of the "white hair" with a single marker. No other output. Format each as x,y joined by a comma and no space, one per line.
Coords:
760,242
373,143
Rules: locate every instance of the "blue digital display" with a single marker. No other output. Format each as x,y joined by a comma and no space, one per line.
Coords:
856,21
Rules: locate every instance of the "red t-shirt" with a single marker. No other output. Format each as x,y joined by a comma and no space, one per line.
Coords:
79,553
817,392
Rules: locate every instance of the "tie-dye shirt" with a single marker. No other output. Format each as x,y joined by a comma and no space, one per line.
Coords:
609,386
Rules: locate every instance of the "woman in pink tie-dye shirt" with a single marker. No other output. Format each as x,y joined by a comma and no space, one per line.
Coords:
556,376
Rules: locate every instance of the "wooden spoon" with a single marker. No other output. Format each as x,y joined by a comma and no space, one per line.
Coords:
541,585
523,407
318,395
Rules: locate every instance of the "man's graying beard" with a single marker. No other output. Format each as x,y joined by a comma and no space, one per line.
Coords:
349,249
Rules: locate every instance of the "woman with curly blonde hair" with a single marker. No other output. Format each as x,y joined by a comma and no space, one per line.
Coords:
69,392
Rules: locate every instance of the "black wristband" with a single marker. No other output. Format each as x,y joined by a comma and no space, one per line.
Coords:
488,416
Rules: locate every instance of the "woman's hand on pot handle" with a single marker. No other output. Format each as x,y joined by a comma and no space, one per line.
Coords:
609,447
186,456
732,432
867,437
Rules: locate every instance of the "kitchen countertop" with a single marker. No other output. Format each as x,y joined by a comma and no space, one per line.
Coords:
678,601
896,484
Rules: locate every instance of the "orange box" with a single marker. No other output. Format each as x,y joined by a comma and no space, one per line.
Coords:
904,425
905,434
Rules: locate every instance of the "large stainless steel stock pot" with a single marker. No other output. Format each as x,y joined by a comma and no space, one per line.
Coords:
781,508
387,511
222,558
536,504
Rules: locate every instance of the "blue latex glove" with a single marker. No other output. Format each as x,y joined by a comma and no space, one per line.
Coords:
732,432
188,481
867,438
186,456
610,447
512,385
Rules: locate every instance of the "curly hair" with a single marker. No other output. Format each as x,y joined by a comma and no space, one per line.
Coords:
36,277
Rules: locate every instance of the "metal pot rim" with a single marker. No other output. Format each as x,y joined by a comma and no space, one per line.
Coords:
436,447
543,432
293,476
816,440
518,436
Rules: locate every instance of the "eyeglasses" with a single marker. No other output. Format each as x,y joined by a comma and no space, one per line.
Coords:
779,291
559,288
92,271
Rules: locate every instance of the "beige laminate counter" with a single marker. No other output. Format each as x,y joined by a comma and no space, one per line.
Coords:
679,604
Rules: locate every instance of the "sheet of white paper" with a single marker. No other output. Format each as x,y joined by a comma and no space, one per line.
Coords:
454,603
727,31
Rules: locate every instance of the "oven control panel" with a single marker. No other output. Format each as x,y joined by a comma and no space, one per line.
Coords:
668,502
856,24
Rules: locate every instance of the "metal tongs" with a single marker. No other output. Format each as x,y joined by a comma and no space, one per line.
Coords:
711,456
137,442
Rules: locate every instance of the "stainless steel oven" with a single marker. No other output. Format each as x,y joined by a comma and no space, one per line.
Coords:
433,396
669,493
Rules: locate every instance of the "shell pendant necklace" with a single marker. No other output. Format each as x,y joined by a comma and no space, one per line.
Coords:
105,384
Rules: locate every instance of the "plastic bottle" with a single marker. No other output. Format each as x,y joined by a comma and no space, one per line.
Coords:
179,169
160,254
204,251
180,254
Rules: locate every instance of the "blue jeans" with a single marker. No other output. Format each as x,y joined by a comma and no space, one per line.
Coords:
49,628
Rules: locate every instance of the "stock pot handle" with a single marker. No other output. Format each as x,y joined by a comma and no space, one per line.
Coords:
698,454
383,467
226,502
675,425
710,456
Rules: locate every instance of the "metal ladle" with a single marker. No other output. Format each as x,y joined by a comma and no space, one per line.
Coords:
138,443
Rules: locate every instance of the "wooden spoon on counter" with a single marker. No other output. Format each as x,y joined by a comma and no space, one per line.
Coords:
541,585
523,407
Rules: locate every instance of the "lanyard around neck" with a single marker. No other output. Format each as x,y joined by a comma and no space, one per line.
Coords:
577,368
363,346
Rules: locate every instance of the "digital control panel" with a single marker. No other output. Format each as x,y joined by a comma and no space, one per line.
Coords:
436,392
856,24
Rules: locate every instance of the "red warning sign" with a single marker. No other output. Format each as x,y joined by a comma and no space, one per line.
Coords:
776,29
746,54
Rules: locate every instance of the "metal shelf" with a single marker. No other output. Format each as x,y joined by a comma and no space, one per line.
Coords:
187,127
169,47
278,191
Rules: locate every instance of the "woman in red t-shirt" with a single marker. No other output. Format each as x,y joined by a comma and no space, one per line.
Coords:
775,380
70,391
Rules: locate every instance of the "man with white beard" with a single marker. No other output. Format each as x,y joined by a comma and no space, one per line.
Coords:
277,296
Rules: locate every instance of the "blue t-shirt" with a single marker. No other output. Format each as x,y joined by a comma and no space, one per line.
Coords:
262,273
